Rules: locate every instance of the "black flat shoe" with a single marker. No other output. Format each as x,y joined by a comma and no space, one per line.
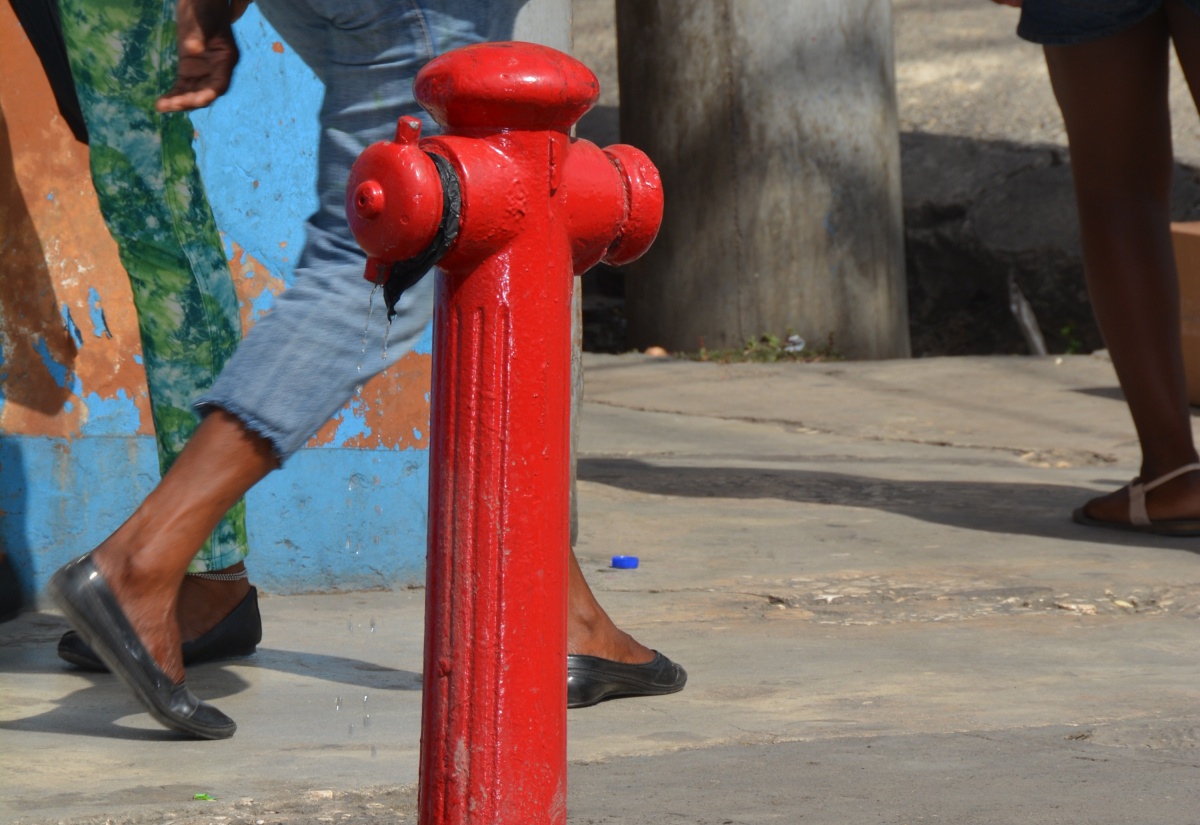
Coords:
83,595
237,635
591,679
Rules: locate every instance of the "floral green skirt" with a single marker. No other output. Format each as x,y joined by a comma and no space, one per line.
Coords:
122,55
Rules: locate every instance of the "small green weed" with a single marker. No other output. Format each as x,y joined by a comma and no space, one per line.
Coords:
768,349
1074,344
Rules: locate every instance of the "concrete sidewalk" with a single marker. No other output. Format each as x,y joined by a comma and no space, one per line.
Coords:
868,569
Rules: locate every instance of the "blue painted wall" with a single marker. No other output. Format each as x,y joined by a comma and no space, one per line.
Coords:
257,147
333,519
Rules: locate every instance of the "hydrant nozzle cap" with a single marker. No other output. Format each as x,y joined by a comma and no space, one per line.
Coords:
369,200
394,197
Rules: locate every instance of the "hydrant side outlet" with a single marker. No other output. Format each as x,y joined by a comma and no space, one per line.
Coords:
644,204
394,200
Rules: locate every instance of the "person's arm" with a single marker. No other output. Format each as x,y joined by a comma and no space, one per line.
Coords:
207,53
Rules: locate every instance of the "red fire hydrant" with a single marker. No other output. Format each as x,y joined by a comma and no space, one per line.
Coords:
515,208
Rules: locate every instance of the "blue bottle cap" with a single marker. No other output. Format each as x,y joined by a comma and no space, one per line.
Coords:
625,562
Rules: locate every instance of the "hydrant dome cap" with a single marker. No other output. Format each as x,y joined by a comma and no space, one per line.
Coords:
507,86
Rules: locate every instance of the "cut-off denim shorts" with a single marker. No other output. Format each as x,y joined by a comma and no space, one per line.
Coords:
303,360
1067,22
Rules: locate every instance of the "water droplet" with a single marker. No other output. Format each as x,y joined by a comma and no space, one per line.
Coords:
367,325
367,720
350,626
364,701
386,332
372,624
337,703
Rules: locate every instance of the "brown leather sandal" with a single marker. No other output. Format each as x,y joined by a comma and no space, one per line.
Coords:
1139,519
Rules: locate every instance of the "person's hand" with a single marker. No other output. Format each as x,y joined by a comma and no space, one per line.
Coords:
207,53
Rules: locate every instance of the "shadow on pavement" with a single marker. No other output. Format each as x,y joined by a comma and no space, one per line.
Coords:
1022,509
332,668
97,709
27,646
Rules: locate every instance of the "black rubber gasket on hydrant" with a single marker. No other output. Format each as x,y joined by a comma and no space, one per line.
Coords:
404,274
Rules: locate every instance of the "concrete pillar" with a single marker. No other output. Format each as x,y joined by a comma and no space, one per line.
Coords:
545,21
774,125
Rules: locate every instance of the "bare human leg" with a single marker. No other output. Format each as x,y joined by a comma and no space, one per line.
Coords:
205,602
590,631
1113,96
145,560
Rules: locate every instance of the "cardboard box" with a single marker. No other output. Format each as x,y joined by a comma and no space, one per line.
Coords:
1186,238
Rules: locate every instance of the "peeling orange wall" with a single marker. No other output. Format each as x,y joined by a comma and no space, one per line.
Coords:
54,251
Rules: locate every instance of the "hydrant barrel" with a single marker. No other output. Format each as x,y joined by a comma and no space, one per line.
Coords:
537,208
